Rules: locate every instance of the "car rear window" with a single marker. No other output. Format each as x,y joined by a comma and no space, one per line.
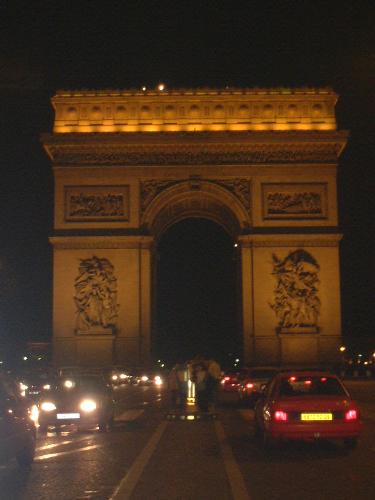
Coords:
311,386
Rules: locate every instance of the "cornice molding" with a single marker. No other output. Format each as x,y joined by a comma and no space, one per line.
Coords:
100,242
185,149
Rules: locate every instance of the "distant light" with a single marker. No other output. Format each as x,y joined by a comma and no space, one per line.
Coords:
68,384
237,360
144,88
235,245
25,358
360,355
161,87
373,354
162,365
1,362
342,348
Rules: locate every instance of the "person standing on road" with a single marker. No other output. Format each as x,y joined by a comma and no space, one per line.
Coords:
213,381
199,377
177,384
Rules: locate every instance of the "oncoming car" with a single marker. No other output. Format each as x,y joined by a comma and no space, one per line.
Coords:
86,401
17,424
307,406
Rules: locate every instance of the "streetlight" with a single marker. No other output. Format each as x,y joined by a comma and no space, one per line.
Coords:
342,348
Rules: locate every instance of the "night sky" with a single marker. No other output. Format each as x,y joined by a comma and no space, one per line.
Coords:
47,46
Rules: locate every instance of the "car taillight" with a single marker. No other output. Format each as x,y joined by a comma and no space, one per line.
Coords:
249,385
280,416
351,415
226,379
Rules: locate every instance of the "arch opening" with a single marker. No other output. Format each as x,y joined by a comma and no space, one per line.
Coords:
196,293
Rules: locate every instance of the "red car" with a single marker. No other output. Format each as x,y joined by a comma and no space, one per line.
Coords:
307,405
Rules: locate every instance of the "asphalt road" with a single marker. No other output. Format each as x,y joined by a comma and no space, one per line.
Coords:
149,457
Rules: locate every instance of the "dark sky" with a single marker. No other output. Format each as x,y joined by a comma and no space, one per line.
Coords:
47,46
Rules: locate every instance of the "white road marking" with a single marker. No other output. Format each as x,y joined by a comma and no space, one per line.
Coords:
61,443
131,478
60,454
129,415
236,481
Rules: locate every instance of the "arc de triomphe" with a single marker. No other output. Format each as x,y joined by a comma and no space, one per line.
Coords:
259,162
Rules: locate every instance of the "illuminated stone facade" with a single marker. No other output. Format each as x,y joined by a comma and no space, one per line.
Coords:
259,162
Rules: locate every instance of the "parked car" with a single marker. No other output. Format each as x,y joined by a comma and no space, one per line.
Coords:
249,388
17,424
307,405
86,401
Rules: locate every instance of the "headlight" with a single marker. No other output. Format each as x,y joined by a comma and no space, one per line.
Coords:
48,406
34,413
68,384
88,405
46,387
114,377
123,376
23,387
144,378
158,380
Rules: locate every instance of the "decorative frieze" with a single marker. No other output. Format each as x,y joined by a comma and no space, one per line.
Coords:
96,203
194,154
294,201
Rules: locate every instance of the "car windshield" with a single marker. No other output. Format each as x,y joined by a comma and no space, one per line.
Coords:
311,386
81,384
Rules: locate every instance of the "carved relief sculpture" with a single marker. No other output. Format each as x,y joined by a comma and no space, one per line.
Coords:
96,295
299,201
296,301
96,203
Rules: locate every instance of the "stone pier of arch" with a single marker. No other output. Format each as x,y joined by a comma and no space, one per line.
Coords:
261,163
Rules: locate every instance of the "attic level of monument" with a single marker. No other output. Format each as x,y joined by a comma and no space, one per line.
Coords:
194,110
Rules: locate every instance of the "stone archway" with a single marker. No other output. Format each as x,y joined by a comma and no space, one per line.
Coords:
196,198
196,292
123,176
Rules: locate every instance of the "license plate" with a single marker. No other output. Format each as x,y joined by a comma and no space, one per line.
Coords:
67,416
316,416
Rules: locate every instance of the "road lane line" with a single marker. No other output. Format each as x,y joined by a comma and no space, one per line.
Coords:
61,453
131,478
236,481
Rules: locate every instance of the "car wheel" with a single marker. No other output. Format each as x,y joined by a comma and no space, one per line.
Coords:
103,424
26,457
350,443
